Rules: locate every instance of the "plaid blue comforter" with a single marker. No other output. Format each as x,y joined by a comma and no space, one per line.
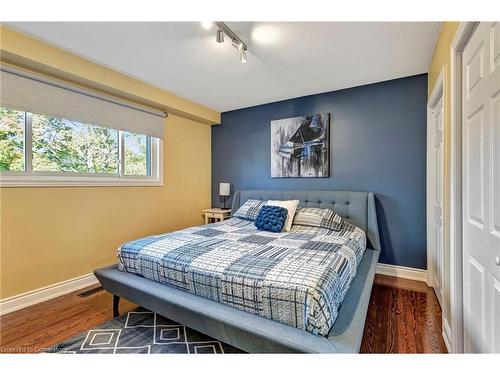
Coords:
298,278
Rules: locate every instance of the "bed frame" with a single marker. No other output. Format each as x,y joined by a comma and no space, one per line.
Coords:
250,332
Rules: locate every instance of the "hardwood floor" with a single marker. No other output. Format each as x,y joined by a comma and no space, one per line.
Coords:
41,326
403,317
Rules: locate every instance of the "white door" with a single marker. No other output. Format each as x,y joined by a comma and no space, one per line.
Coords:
436,155
481,189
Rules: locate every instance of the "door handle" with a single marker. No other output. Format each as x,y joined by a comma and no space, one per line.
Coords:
497,261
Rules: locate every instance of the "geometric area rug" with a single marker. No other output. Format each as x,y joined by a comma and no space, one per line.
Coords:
142,331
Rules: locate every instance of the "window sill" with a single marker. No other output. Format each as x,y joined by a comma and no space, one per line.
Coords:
12,180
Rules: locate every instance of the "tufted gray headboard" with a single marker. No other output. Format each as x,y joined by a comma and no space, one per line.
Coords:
355,206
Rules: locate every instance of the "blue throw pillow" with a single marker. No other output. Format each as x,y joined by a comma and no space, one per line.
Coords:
271,218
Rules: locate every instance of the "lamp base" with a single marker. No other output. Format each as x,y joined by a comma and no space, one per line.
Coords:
223,202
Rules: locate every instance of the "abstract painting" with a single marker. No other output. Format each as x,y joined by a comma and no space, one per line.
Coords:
300,146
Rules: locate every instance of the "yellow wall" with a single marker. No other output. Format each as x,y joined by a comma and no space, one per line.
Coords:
441,61
49,235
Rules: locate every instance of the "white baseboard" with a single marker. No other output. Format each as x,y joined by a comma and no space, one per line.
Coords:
33,297
402,272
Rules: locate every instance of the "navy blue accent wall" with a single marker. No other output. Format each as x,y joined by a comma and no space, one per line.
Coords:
378,144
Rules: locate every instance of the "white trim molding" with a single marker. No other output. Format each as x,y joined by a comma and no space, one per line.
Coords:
455,336
402,272
437,91
20,301
446,335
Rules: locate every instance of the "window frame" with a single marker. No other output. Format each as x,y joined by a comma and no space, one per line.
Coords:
31,178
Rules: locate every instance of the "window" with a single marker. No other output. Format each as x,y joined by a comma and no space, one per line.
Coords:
11,140
37,149
69,146
137,148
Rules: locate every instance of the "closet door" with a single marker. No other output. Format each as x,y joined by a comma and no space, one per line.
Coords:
437,160
481,189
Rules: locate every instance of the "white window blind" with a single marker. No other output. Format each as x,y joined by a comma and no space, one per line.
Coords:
23,91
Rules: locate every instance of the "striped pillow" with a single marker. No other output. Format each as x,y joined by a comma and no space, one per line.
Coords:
318,217
250,209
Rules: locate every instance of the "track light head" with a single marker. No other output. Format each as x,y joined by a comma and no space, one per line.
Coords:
219,37
243,56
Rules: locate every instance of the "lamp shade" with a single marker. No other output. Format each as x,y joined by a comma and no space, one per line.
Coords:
224,189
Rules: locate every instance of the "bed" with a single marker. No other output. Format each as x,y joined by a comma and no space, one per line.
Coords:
199,276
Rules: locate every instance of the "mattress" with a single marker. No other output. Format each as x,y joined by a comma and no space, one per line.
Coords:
298,278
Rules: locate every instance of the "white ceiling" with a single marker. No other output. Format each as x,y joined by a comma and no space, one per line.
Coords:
285,60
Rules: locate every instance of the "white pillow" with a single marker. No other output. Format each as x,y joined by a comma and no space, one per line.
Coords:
291,207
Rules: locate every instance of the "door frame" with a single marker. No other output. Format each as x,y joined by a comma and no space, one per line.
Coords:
437,93
460,41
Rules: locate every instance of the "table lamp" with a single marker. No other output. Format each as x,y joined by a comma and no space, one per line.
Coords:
224,192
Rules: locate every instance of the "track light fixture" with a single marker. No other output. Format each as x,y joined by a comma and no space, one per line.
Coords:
237,43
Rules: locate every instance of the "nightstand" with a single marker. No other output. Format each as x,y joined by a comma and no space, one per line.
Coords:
216,214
